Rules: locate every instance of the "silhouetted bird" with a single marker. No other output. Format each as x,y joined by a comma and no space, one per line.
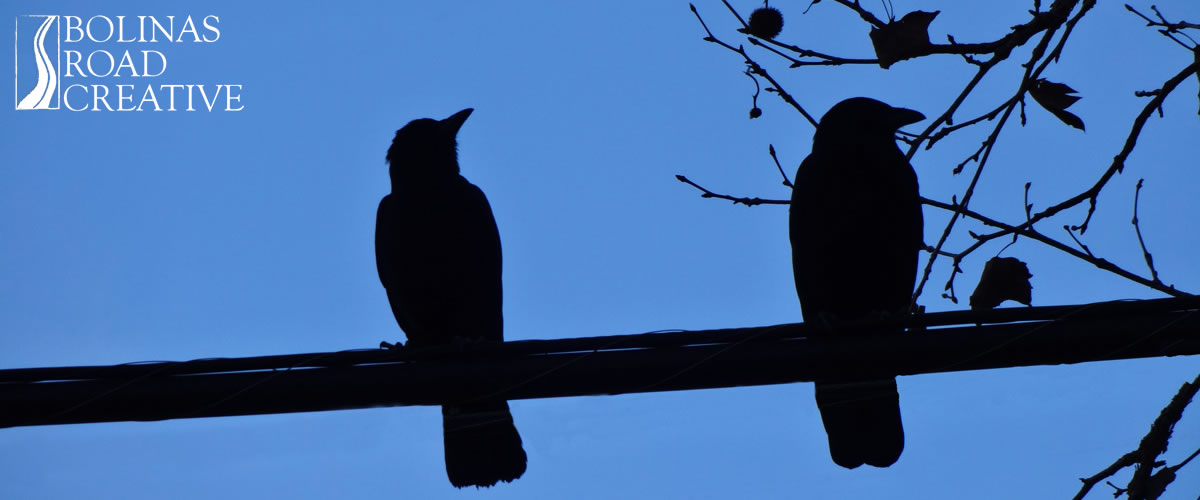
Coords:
438,253
856,231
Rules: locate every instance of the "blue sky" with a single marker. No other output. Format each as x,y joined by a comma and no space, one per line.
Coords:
173,236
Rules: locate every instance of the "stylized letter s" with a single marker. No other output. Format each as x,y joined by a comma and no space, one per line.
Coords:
212,27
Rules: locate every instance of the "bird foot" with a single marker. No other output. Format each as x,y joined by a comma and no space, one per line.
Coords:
383,344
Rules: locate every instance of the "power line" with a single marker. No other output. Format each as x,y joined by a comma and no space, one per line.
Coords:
599,365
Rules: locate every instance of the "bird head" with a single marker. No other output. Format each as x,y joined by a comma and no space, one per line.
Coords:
427,147
862,119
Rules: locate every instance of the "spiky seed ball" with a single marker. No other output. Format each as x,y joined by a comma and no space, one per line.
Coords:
766,22
755,112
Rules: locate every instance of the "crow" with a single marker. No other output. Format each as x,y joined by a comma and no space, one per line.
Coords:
437,250
856,230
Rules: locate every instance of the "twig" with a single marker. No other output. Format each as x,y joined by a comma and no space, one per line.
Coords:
1125,461
980,240
771,150
947,116
1169,29
1138,229
754,67
1027,205
735,14
944,253
1118,163
749,202
826,59
1189,458
990,115
1077,242
863,13
1028,232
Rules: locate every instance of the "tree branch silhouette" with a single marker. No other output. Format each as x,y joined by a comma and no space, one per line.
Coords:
1049,30
1137,228
1146,484
980,239
1062,16
755,68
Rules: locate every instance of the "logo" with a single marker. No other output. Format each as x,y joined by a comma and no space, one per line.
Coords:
114,63
45,94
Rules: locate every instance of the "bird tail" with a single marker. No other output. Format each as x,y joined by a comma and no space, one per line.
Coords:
862,420
482,444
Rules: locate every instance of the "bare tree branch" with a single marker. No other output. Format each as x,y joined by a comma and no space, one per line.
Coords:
1052,29
755,69
1147,484
980,240
1138,229
749,202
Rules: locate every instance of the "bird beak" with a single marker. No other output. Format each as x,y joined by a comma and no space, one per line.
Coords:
454,122
902,117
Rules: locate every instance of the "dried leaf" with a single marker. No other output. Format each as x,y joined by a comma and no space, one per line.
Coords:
903,39
1056,98
1003,278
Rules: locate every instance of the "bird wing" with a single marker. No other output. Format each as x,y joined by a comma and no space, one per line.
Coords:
479,292
395,260
438,256
855,228
814,230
